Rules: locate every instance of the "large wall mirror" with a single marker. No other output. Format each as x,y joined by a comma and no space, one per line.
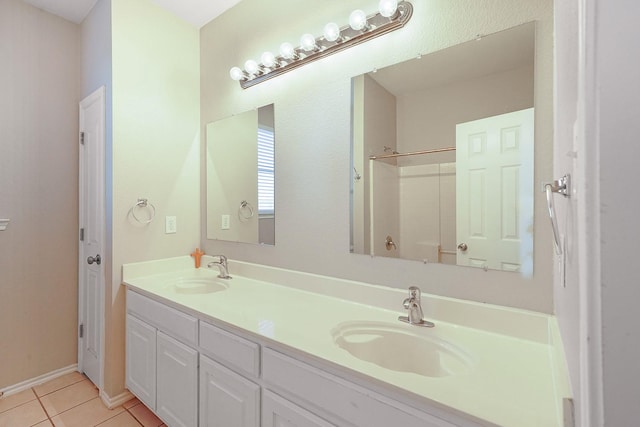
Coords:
240,177
442,151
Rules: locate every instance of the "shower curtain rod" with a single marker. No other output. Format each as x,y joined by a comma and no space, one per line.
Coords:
414,153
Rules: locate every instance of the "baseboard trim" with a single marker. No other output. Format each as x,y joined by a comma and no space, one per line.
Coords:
17,388
112,402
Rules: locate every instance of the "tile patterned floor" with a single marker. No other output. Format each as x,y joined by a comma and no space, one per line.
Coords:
70,401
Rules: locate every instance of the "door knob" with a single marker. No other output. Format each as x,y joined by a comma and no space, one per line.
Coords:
97,260
463,247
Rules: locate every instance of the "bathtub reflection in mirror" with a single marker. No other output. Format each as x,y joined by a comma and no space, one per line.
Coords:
241,177
470,204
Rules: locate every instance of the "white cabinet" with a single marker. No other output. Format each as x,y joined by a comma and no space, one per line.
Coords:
162,371
279,412
141,360
191,372
336,398
227,398
177,382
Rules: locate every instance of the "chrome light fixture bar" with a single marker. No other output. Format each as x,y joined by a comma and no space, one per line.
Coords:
392,15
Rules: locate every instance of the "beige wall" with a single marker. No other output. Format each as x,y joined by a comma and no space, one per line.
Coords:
313,125
40,56
156,148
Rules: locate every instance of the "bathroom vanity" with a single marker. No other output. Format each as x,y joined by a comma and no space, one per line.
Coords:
273,347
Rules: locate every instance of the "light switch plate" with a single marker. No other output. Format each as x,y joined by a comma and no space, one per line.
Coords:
170,225
225,222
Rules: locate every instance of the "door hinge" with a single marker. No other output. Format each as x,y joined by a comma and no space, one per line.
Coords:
82,234
82,138
81,330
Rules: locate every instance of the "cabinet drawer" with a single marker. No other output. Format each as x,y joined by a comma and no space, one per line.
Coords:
171,321
320,391
229,349
279,412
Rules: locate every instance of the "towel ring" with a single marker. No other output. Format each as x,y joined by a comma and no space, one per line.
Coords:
143,203
245,211
560,186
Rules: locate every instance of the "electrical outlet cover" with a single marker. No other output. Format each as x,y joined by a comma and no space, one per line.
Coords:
170,225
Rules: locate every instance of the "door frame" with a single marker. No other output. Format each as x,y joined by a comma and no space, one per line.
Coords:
98,96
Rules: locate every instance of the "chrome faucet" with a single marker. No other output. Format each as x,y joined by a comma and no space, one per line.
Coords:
222,266
415,309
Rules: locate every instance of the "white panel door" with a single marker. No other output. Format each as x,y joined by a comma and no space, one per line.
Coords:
494,191
141,360
92,230
177,382
226,398
279,412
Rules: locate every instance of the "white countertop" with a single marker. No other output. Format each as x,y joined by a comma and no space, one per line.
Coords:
517,377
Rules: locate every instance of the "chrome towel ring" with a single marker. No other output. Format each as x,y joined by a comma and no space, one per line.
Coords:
245,211
561,186
140,204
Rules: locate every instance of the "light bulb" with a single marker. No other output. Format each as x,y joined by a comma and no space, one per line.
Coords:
358,20
308,42
331,32
251,67
388,8
268,59
287,51
236,73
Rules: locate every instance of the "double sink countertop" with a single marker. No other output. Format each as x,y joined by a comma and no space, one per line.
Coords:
500,365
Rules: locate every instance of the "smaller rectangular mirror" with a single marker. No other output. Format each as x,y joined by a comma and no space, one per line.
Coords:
240,177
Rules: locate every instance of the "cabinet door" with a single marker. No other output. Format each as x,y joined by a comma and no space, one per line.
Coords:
141,361
226,398
279,412
177,392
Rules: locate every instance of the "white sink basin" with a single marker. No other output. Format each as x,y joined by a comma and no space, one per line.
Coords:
402,348
200,285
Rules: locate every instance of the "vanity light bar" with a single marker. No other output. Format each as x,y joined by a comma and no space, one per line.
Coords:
390,17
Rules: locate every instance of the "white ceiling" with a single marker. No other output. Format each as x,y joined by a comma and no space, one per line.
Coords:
197,12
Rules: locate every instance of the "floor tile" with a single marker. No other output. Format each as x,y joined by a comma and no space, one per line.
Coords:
17,399
145,416
58,383
123,419
45,423
68,397
25,415
90,413
133,402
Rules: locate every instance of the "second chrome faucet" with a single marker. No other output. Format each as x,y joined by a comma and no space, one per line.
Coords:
222,266
414,306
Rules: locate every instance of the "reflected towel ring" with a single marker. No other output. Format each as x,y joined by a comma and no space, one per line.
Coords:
245,212
143,203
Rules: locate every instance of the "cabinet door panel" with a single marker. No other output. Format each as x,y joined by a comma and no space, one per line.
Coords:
279,412
141,361
226,398
177,394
